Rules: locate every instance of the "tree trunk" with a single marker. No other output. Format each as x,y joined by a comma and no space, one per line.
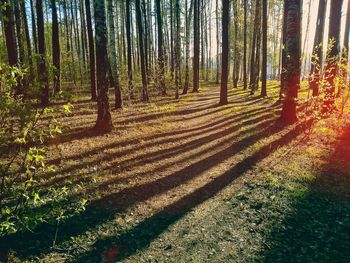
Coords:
188,36
9,29
114,76
104,119
26,31
225,50
196,38
129,55
42,68
317,53
217,41
264,50
160,49
145,97
55,50
333,54
91,51
292,66
34,33
245,46
177,48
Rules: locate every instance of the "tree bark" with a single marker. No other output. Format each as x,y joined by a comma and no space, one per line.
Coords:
264,51
292,66
104,119
161,65
317,53
245,45
196,37
129,52
145,97
42,68
56,60
225,50
91,51
333,55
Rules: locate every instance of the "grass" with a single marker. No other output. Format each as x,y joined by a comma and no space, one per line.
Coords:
191,181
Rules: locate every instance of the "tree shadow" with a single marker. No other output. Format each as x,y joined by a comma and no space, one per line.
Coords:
318,228
140,236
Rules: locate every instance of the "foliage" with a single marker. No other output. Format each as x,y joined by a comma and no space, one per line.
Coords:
23,130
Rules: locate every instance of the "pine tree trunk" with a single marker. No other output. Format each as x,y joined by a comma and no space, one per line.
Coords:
196,37
42,68
317,53
91,51
129,52
161,65
292,65
114,76
188,36
55,50
177,48
104,119
217,41
264,50
333,55
245,45
145,97
34,33
225,50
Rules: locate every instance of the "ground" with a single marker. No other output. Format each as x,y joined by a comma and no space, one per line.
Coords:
192,181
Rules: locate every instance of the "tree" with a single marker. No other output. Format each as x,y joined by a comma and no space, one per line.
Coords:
34,33
245,45
264,50
104,119
317,51
161,63
196,46
9,29
145,97
333,54
42,68
217,40
113,68
235,71
293,53
129,55
91,51
225,50
187,44
56,58
177,47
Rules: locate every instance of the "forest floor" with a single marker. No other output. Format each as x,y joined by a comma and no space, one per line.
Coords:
192,181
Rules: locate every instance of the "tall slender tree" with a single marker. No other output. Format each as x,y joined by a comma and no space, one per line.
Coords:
8,22
145,97
317,53
333,54
177,48
91,51
245,44
113,67
264,50
42,68
104,119
225,50
129,51
196,37
292,64
161,62
56,56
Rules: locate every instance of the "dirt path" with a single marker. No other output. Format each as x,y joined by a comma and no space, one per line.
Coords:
186,181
